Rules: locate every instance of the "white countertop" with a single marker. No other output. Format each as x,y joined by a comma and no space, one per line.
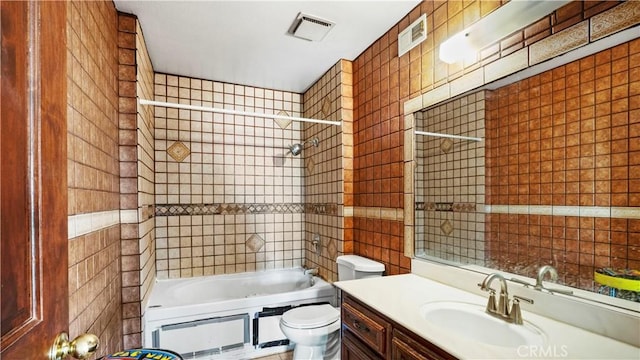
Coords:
400,298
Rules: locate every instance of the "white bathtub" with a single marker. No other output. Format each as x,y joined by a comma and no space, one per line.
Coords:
232,316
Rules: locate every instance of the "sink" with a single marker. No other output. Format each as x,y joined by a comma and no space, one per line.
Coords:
471,321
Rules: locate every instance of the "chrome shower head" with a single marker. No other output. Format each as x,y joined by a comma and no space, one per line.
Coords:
296,149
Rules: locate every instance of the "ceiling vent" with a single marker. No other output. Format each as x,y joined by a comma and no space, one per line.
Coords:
412,35
309,27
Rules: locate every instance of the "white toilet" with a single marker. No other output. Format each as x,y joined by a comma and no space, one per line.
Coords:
315,329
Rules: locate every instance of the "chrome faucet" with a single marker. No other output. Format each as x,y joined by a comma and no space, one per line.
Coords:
502,310
312,272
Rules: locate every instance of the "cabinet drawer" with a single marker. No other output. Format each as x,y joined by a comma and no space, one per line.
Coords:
404,347
354,349
368,327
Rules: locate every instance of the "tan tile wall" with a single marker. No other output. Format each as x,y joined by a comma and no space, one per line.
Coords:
328,174
95,288
94,258
227,169
450,181
92,139
137,177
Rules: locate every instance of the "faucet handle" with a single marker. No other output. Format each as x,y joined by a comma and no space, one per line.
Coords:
515,315
559,291
521,282
518,298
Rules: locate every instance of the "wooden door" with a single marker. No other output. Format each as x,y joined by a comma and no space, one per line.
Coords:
34,293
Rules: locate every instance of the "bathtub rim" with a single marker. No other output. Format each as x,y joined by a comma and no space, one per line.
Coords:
320,290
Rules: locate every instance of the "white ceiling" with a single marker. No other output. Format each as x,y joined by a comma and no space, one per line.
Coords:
245,42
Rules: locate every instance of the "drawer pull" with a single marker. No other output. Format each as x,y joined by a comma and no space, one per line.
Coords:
359,326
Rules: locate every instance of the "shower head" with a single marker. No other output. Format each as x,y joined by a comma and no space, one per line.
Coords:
296,149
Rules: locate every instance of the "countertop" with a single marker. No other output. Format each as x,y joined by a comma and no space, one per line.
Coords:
400,298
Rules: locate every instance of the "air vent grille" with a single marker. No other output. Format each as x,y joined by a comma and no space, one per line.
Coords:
309,27
413,35
316,21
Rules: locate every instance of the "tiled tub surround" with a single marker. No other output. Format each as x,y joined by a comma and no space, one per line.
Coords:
450,181
229,161
328,169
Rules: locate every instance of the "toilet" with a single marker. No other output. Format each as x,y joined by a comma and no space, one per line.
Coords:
315,329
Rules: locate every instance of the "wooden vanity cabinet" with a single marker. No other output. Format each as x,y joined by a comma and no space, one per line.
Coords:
354,349
369,335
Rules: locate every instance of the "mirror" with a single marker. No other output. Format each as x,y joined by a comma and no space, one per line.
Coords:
553,182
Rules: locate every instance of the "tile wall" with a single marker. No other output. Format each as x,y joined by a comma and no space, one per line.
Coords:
450,181
563,152
384,83
328,170
93,174
229,196
136,177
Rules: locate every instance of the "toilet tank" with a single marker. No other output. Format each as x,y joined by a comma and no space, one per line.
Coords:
352,267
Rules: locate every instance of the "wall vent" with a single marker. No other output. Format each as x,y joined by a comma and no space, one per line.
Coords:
413,35
309,27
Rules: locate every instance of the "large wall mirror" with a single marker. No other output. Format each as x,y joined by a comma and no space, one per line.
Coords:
544,170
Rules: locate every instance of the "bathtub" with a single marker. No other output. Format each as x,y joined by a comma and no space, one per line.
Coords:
233,316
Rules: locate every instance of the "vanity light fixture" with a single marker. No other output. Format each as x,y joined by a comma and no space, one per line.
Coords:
502,22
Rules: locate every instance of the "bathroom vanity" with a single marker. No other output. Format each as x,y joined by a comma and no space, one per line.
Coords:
414,317
367,334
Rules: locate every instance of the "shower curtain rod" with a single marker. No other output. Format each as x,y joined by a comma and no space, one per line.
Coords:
426,133
235,112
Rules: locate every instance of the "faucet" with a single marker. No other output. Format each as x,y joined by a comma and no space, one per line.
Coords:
542,272
312,272
539,285
554,277
502,310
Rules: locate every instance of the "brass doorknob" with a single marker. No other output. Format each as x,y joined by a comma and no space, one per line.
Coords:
80,348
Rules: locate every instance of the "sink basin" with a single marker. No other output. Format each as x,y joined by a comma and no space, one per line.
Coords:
472,322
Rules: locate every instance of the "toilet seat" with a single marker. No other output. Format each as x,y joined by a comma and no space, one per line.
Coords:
310,317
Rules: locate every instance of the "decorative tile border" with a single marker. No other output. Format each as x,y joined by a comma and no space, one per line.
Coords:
445,206
579,211
82,224
393,214
233,209
620,17
560,43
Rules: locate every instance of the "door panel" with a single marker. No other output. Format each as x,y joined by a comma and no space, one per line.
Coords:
17,309
33,164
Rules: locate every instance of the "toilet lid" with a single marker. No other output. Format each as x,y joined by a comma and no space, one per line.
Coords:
313,316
